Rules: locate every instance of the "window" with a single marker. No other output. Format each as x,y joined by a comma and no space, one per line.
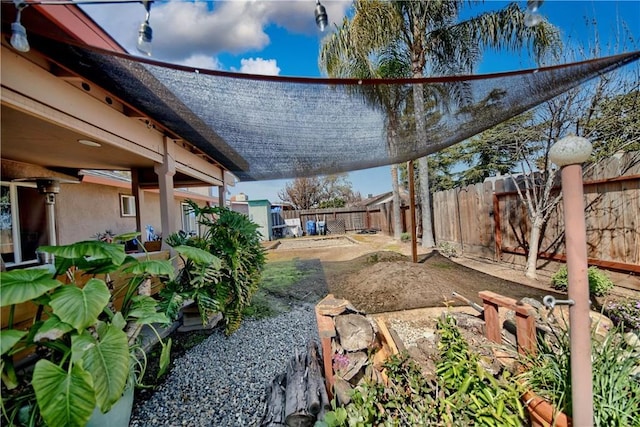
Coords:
22,224
189,223
127,205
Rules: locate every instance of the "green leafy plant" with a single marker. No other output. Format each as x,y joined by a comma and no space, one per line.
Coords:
599,283
615,370
447,249
86,350
227,276
405,237
624,313
462,393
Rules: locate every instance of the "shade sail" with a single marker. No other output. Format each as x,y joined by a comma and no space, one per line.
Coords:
268,127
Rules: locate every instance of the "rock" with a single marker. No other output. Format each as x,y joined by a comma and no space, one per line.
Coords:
332,306
355,332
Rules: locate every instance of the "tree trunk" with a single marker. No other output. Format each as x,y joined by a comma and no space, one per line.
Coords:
397,221
425,201
534,247
296,411
317,397
423,167
274,415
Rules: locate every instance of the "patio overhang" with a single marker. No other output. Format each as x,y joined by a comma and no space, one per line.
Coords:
47,110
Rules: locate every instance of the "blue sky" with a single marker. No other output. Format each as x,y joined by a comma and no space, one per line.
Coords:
279,37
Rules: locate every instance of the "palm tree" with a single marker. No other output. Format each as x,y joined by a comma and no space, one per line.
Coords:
434,43
337,60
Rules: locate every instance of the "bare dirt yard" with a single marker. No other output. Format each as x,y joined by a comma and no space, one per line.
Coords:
376,274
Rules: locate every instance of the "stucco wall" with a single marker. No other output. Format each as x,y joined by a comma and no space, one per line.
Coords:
82,210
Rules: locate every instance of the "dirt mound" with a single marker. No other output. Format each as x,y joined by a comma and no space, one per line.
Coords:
399,284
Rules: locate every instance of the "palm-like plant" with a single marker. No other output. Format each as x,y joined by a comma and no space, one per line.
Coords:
222,267
433,42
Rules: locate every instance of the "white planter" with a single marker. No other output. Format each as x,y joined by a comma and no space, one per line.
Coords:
118,416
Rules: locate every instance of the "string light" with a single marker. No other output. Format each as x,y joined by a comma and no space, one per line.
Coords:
322,19
18,32
531,16
145,34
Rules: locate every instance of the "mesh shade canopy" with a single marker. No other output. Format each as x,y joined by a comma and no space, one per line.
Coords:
261,127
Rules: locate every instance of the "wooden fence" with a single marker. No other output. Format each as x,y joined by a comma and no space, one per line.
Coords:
489,219
352,219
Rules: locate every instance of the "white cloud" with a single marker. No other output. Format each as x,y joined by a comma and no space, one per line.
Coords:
267,67
186,29
203,62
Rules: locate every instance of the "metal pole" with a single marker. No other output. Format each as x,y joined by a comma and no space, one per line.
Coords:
580,324
569,153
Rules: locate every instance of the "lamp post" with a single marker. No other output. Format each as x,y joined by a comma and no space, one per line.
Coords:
569,153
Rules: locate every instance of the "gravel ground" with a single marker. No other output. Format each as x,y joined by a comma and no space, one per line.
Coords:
222,381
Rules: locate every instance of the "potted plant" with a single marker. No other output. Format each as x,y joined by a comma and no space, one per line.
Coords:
85,348
616,380
222,266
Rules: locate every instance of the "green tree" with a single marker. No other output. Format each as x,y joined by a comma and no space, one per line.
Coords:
435,42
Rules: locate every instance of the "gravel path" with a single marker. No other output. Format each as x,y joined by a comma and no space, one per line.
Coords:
222,381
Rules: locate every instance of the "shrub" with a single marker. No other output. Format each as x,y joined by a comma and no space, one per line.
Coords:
447,249
405,237
625,313
599,283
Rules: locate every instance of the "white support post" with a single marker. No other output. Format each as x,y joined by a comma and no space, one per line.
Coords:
165,171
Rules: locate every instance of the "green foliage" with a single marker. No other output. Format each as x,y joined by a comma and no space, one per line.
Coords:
599,283
405,237
222,267
83,346
615,370
463,393
447,249
624,313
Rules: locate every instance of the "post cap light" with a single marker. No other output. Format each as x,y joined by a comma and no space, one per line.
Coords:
570,150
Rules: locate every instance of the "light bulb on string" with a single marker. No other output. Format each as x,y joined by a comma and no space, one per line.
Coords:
18,33
531,16
322,19
145,33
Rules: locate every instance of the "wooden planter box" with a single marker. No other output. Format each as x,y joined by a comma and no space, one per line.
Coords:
154,246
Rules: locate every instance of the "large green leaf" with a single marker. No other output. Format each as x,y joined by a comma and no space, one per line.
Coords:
125,237
145,310
64,398
156,267
199,256
9,338
18,286
80,307
89,248
107,360
52,329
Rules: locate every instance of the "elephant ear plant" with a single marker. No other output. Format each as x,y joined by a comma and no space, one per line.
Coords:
86,350
222,266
